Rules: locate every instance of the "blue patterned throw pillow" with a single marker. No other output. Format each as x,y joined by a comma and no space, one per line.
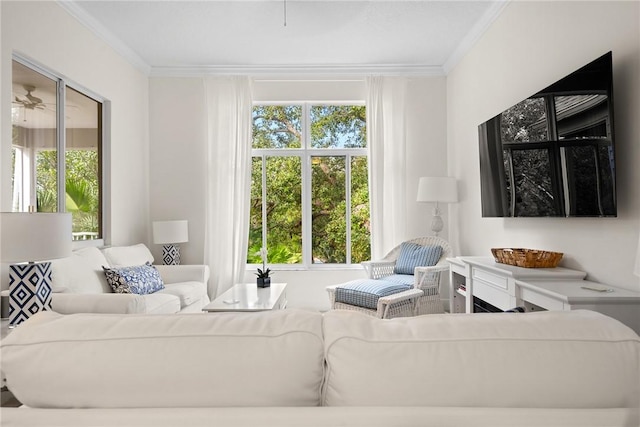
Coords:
413,255
139,279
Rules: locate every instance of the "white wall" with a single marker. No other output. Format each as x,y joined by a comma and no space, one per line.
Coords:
178,136
177,159
531,45
44,32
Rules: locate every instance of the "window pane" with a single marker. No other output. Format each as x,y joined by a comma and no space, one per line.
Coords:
524,122
34,140
532,180
582,116
277,126
590,180
360,224
255,213
284,210
82,164
328,210
338,126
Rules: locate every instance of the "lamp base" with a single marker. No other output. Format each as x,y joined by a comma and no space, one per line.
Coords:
29,290
171,254
436,222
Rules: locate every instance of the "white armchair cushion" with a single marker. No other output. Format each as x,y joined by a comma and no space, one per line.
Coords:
80,273
126,256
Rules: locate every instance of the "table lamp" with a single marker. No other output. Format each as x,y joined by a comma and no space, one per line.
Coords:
169,234
438,190
24,239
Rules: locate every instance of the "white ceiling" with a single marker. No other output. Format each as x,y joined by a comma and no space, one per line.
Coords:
182,36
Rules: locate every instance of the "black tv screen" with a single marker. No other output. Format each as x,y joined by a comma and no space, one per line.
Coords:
552,155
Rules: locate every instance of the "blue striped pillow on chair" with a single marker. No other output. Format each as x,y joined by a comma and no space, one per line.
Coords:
413,255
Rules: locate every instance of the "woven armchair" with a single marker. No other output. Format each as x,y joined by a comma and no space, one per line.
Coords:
422,298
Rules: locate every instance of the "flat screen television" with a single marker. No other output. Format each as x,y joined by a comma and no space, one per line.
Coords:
552,155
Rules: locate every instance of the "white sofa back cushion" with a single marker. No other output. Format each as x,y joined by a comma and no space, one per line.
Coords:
127,256
576,359
80,273
190,360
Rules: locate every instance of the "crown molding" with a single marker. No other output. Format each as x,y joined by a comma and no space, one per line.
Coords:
474,34
104,34
297,70
71,7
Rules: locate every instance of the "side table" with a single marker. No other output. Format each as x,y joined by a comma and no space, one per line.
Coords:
249,297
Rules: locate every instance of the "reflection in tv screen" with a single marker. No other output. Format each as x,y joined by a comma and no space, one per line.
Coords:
553,153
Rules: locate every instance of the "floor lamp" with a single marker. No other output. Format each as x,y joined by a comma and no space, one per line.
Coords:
27,238
438,190
169,234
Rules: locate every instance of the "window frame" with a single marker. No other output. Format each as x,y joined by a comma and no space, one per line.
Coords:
306,153
104,146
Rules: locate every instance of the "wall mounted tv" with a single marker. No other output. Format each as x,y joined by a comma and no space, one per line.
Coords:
552,155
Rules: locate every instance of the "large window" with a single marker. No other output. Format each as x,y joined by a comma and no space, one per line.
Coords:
56,148
309,192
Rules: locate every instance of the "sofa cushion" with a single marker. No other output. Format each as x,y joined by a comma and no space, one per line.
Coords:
81,272
187,292
477,360
138,279
401,279
413,255
260,359
157,303
126,256
367,292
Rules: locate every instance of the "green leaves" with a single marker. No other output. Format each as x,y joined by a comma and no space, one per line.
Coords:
263,274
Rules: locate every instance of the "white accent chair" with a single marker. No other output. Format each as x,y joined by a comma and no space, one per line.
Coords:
422,298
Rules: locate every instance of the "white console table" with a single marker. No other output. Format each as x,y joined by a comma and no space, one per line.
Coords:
505,287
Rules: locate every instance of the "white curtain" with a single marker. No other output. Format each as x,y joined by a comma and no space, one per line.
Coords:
636,268
228,179
386,139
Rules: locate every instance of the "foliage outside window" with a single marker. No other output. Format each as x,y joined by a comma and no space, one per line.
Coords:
309,192
42,149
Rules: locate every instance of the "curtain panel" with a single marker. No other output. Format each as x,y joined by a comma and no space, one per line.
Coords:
385,102
228,189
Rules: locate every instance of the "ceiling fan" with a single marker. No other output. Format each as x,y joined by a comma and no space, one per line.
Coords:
30,101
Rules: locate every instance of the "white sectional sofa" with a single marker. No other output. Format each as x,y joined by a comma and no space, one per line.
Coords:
302,368
79,284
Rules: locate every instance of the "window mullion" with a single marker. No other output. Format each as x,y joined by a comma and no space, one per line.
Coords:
61,146
347,192
307,238
263,177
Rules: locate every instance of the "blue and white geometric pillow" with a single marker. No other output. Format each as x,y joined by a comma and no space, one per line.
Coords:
139,279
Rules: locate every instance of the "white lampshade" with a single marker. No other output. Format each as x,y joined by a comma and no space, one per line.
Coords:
34,236
437,189
169,232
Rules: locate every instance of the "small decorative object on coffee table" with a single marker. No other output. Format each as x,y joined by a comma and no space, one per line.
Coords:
263,280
